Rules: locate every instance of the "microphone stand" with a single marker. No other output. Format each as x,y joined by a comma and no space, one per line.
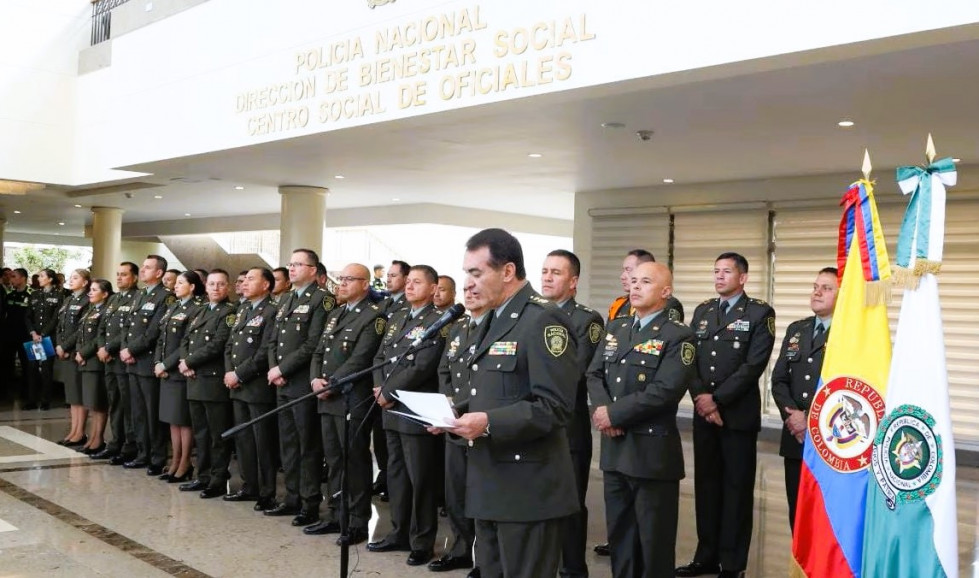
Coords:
344,386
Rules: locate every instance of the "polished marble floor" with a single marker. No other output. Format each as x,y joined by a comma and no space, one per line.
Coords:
61,514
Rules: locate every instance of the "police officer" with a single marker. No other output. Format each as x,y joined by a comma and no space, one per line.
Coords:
796,373
636,381
137,352
621,307
246,365
412,453
559,283
119,313
520,479
42,320
298,326
735,335
202,363
350,340
14,332
282,284
445,293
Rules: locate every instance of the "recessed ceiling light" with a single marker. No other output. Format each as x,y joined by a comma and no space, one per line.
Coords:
16,212
845,123
613,125
338,177
395,199
239,188
535,155
78,206
157,196
62,223
668,181
956,160
186,214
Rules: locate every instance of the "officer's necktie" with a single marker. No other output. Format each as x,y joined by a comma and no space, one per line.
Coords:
820,329
724,307
636,327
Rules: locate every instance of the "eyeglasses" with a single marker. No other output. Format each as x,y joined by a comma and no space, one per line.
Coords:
294,265
345,280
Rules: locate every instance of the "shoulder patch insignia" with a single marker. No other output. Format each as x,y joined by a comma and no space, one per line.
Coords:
230,320
171,299
379,324
674,314
771,325
444,332
556,339
329,302
688,353
594,332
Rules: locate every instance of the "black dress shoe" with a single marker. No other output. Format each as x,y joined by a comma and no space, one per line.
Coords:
105,454
45,406
355,536
93,451
419,557
77,443
135,464
731,574
165,477
697,569
378,488
154,470
321,528
446,563
195,486
474,573
29,406
386,545
212,492
180,479
305,518
283,510
266,503
120,460
602,549
240,496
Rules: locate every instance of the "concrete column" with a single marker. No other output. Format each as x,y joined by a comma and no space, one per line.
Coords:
302,219
106,242
3,228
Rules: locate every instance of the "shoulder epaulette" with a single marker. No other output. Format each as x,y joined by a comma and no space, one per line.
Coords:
707,301
584,308
758,301
539,300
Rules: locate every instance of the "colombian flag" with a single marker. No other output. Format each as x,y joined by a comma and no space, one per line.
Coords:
848,403
911,518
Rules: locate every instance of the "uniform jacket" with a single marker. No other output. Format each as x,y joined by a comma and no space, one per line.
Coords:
69,321
87,343
42,314
622,308
348,345
389,306
523,375
298,325
795,375
118,313
247,352
144,327
202,348
732,354
587,330
641,377
416,372
453,370
14,323
173,326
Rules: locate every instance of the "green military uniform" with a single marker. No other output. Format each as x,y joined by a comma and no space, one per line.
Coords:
13,333
348,344
70,316
388,306
587,330
640,376
174,408
140,339
412,452
298,325
42,318
794,379
94,395
119,312
520,480
247,355
202,349
733,349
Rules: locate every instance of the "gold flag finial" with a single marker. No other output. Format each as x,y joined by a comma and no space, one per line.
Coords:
930,150
867,167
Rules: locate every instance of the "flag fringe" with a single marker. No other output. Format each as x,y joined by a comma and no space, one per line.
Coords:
910,278
877,293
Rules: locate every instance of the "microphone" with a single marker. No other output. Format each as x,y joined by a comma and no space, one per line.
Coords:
450,315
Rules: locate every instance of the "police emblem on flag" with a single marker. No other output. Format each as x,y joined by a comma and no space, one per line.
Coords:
907,456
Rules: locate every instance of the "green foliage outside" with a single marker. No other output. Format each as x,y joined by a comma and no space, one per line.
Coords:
35,258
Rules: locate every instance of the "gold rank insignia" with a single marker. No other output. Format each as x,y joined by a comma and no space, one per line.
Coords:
379,324
594,332
771,325
230,319
444,332
329,302
687,353
171,299
556,339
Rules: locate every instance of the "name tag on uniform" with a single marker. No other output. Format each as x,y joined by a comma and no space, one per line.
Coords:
650,346
255,322
148,306
740,325
302,309
503,348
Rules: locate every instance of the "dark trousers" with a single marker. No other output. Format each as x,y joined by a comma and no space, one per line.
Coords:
724,483
208,420
575,533
302,454
359,468
641,516
411,485
518,549
256,448
120,414
792,468
151,434
41,375
379,444
11,349
463,528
